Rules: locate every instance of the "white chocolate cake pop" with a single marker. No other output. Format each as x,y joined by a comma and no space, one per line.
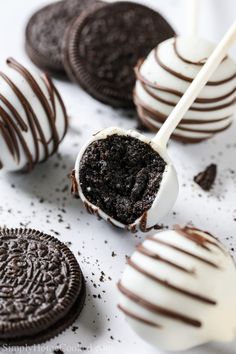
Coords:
164,76
33,119
179,290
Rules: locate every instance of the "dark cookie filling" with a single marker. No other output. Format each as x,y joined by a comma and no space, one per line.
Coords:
121,175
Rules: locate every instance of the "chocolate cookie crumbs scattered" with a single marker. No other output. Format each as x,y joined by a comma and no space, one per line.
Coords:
121,175
206,178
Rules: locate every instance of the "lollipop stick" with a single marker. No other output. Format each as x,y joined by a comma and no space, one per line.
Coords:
192,16
196,86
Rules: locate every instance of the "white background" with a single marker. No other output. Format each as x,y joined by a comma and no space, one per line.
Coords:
38,199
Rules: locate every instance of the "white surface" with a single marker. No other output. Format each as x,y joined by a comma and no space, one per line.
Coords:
42,199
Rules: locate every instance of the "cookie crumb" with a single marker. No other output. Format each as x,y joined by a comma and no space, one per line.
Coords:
206,178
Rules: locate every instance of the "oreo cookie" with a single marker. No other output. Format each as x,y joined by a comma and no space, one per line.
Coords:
45,30
102,46
42,289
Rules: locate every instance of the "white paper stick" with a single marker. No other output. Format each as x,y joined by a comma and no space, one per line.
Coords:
192,16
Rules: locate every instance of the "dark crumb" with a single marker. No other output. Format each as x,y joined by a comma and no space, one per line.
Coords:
25,225
113,254
206,178
159,227
74,328
121,175
102,276
58,351
55,232
65,189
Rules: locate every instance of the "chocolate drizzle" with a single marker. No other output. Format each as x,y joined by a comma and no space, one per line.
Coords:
159,117
12,126
187,78
176,248
187,61
138,318
74,185
148,84
168,285
159,310
152,118
154,255
195,236
146,123
192,108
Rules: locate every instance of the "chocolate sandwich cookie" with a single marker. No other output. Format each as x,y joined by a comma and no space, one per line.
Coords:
102,46
45,30
42,288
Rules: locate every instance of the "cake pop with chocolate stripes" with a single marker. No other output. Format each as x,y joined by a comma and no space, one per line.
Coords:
33,119
178,290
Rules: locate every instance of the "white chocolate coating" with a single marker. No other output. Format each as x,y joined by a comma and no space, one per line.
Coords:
178,290
165,75
166,195
33,119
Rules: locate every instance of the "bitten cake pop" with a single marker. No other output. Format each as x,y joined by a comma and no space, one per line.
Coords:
123,177
129,180
33,119
164,76
178,290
